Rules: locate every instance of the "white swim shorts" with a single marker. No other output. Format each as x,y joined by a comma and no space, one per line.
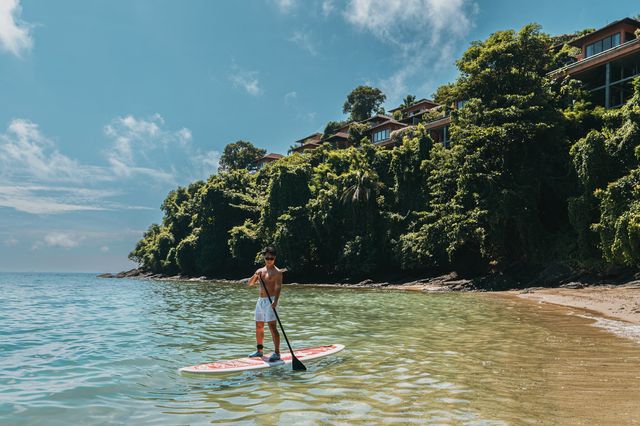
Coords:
264,311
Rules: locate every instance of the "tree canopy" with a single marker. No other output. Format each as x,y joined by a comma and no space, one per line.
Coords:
408,101
362,102
240,155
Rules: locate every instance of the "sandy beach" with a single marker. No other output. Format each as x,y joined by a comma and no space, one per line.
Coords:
621,302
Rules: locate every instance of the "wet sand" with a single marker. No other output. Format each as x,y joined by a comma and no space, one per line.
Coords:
621,302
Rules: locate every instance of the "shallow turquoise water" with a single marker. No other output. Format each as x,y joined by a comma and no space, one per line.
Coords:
76,349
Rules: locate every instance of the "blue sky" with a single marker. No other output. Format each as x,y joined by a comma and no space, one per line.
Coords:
105,106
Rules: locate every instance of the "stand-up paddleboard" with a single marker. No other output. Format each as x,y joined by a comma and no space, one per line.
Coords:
244,364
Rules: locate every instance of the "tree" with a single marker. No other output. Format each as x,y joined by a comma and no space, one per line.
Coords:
508,173
362,102
331,128
408,101
360,191
608,164
240,155
358,133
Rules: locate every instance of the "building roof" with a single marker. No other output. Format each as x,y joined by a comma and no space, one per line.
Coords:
388,122
316,136
345,126
563,39
308,145
339,135
578,42
270,157
377,117
416,103
342,132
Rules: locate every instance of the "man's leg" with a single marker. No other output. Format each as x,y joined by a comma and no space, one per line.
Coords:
274,335
259,333
259,339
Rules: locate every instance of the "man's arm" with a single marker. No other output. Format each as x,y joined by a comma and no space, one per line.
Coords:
254,278
276,290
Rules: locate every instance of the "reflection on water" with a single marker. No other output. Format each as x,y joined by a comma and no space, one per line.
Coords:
76,349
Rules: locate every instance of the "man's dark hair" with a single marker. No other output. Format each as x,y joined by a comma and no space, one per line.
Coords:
269,250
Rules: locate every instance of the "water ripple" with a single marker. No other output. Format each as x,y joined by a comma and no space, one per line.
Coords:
81,350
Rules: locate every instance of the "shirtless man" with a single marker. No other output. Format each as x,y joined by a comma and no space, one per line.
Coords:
272,278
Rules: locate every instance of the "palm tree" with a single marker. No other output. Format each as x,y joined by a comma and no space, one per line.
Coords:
360,191
408,101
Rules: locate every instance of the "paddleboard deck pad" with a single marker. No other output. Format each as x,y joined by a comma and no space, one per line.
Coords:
244,364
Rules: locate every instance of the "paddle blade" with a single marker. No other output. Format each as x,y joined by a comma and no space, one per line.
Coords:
297,365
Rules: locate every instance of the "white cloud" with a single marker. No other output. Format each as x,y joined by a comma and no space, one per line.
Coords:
36,178
290,97
247,80
204,164
60,239
303,40
424,32
70,238
396,85
15,34
58,199
11,241
396,21
141,144
327,7
285,5
184,136
25,153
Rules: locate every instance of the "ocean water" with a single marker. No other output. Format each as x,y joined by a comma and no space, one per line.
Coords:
76,349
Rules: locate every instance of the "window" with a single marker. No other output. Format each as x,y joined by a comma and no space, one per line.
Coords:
460,104
602,45
444,135
615,39
597,47
381,135
441,135
620,93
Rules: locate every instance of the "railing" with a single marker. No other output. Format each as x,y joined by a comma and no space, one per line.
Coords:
597,55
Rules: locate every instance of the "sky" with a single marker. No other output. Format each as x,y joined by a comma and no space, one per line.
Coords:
107,105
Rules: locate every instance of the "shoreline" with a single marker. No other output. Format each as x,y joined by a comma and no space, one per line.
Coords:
618,302
615,298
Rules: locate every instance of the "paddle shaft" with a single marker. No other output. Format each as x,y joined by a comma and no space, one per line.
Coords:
293,357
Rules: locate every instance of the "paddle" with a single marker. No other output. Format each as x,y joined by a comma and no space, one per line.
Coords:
295,362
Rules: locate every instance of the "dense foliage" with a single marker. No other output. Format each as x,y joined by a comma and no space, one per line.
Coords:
362,102
607,162
534,173
240,155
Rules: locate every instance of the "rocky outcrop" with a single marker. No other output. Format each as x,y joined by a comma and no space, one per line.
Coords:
131,273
